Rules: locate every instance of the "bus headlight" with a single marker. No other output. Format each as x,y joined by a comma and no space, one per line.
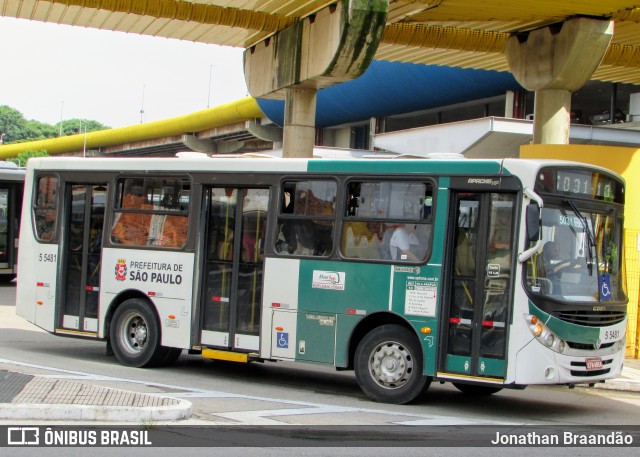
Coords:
561,346
544,335
549,340
537,330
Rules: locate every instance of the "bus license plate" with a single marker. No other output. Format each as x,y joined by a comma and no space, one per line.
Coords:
594,363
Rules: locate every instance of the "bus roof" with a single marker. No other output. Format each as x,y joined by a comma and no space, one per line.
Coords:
10,171
197,163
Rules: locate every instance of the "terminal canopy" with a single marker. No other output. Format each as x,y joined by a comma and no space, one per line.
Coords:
456,33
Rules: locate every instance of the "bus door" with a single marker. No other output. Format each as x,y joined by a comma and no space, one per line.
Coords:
10,205
478,306
235,231
82,245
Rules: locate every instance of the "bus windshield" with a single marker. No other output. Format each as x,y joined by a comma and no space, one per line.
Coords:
579,261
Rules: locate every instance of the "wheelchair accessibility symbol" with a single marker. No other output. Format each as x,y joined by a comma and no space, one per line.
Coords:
282,340
605,287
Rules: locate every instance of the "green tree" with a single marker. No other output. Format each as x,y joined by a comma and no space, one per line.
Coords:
14,128
35,130
12,124
77,126
22,157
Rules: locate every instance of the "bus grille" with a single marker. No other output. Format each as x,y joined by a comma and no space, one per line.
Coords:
587,347
580,369
592,318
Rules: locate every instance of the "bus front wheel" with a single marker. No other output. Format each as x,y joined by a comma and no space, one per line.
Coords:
135,335
388,365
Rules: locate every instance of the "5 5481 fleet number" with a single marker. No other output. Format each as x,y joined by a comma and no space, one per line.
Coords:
46,257
611,335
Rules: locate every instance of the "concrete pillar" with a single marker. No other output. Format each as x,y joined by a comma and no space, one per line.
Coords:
552,110
270,132
343,138
334,45
508,104
553,62
196,144
299,122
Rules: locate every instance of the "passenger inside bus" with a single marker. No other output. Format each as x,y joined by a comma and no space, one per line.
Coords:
403,243
362,240
310,231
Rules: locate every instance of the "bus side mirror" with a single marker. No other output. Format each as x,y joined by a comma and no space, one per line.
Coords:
533,222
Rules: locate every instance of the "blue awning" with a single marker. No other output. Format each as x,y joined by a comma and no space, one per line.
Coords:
389,88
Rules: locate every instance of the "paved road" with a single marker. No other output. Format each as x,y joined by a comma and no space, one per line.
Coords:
296,395
285,393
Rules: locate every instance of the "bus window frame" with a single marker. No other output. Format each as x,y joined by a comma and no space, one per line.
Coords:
430,183
115,208
56,208
281,215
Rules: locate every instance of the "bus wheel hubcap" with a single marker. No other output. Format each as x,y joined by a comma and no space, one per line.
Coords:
391,365
136,333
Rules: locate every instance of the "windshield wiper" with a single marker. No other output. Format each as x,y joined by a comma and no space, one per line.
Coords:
591,240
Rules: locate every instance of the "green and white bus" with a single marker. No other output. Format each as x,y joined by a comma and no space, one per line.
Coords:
11,185
406,271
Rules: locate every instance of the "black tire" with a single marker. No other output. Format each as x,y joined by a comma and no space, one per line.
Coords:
6,279
388,365
170,357
135,335
475,390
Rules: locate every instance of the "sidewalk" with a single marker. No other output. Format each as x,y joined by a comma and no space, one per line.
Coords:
51,398
32,397
628,381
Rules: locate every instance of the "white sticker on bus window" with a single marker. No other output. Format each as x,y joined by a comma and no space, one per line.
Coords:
493,270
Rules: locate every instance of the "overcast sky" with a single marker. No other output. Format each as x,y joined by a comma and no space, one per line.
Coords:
50,71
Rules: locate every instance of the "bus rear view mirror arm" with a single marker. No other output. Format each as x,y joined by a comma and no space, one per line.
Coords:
534,222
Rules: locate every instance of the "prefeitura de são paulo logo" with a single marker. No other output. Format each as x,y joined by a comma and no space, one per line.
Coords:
121,270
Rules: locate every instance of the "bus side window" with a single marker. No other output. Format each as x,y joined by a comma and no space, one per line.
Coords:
131,228
307,218
45,208
151,212
387,220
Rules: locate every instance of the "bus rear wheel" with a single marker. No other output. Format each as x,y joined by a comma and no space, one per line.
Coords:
135,335
388,365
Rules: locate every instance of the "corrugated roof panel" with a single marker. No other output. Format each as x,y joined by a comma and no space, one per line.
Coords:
626,33
477,60
141,26
488,10
293,7
244,22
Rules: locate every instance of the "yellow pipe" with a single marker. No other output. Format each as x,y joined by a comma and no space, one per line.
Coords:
241,110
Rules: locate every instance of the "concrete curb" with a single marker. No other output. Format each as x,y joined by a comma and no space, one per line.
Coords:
46,412
30,397
628,381
629,385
